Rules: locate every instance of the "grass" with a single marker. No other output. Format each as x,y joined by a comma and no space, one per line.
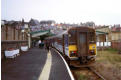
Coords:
81,76
107,54
108,62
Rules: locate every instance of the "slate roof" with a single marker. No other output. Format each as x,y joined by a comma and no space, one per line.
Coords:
34,22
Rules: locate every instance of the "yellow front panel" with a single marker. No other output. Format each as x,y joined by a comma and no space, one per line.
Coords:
72,48
92,47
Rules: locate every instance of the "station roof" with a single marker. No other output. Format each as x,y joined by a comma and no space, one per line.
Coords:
40,33
100,32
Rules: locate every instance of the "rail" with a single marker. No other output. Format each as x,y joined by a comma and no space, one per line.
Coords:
95,72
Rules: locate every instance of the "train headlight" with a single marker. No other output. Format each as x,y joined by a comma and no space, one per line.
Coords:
73,53
92,52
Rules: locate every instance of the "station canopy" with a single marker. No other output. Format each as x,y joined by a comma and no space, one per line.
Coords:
41,33
100,32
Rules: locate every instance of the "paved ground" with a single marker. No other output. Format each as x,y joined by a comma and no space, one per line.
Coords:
58,68
29,66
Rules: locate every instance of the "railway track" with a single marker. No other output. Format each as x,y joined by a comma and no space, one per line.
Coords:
91,73
96,73
88,72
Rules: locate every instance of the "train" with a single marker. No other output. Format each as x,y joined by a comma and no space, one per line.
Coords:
77,45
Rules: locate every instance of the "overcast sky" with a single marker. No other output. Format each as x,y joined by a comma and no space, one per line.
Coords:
70,11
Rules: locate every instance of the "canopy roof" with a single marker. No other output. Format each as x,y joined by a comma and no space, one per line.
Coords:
40,33
100,32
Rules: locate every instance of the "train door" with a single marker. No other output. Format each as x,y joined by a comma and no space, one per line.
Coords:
82,43
65,44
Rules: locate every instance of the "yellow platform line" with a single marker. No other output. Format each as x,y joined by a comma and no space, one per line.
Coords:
46,70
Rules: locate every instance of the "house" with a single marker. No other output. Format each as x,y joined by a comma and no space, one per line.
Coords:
116,33
112,35
34,25
103,31
47,25
116,37
88,24
101,36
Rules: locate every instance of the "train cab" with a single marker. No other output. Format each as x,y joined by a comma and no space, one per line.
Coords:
78,44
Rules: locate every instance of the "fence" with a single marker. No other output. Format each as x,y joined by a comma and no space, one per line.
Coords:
112,44
103,44
116,45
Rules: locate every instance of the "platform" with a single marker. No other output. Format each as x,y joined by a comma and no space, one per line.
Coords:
36,64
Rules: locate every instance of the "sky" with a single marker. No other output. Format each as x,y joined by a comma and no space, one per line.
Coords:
102,12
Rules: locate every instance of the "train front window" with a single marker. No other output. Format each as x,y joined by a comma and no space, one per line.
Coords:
92,38
72,37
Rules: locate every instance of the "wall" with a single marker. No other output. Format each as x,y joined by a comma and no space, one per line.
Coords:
116,45
116,35
11,38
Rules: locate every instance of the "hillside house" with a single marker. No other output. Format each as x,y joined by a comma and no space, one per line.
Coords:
34,25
